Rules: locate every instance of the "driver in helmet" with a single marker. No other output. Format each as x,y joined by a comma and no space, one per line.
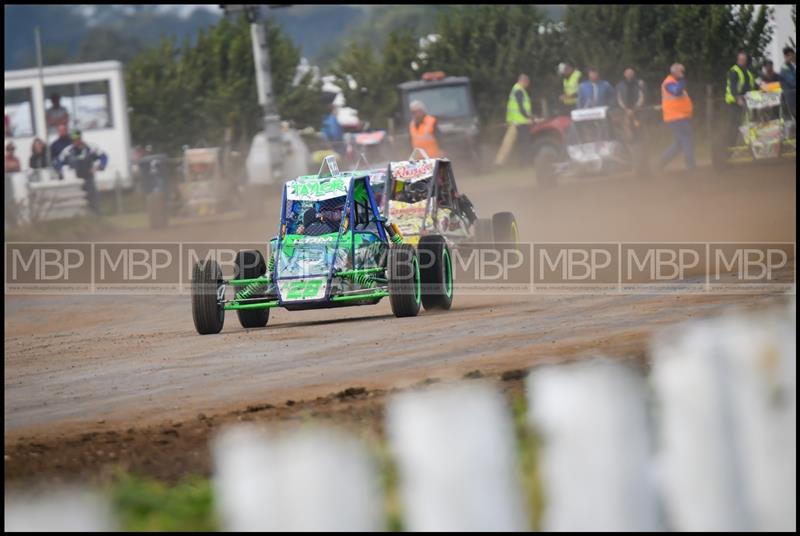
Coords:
411,192
318,221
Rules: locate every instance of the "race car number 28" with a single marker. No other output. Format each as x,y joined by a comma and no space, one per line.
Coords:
303,289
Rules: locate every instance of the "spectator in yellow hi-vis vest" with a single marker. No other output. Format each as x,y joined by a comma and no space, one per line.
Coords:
739,81
518,113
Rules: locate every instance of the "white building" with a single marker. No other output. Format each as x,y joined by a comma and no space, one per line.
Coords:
783,29
93,95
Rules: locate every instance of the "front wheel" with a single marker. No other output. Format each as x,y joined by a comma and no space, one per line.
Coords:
207,312
250,264
405,293
436,272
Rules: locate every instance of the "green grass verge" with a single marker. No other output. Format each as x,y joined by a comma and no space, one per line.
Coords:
144,504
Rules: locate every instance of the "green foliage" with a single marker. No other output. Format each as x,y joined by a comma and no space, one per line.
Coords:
143,504
492,45
103,43
705,38
193,93
376,76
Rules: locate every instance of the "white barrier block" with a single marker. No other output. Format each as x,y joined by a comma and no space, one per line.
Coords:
727,393
595,457
64,510
307,480
456,456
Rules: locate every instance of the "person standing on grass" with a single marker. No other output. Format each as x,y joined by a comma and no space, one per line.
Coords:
676,107
739,81
518,114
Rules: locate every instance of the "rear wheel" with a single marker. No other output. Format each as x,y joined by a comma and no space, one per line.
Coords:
505,229
405,293
436,272
546,156
208,314
250,265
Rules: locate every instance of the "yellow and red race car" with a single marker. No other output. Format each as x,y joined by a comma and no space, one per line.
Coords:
420,196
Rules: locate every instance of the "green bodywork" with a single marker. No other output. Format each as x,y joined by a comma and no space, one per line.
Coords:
348,265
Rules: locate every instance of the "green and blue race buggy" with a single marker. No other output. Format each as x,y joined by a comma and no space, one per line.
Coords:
333,249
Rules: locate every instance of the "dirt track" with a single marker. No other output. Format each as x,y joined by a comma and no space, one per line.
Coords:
88,363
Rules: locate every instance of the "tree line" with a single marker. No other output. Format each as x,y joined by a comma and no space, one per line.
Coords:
193,93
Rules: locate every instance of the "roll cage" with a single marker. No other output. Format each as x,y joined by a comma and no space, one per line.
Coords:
441,190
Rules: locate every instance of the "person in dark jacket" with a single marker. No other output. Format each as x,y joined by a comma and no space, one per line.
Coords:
789,80
62,142
630,98
38,158
768,73
85,160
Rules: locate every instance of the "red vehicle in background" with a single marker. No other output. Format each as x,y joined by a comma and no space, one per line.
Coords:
548,144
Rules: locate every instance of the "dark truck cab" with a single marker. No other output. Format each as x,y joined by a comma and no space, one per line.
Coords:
449,99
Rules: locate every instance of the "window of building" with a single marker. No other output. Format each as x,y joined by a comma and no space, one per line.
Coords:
19,113
83,105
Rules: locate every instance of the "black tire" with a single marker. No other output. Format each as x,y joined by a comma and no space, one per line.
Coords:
404,280
157,209
249,265
207,313
544,164
484,232
505,229
436,272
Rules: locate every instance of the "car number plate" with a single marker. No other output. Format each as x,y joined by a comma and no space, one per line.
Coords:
303,289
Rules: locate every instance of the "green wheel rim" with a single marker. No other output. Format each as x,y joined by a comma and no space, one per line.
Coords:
448,275
417,287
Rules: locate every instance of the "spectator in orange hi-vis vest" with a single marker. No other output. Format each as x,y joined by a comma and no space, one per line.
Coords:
423,130
676,106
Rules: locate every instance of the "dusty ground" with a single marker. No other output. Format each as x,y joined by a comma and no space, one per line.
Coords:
89,381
